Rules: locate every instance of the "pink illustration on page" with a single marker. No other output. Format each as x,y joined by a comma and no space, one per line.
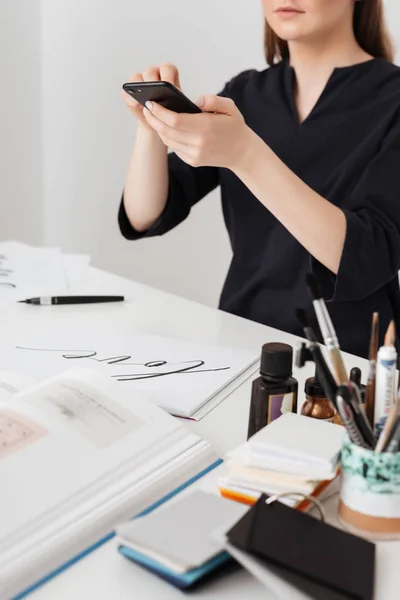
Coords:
16,432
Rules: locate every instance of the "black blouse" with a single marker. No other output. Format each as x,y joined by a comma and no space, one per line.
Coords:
347,150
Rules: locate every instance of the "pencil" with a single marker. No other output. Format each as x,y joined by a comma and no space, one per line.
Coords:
372,356
390,336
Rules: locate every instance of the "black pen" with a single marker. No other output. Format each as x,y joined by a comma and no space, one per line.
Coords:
50,300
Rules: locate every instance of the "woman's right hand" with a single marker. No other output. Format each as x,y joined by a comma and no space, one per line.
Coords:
165,72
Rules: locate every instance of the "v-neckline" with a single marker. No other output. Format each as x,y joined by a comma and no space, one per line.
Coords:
290,80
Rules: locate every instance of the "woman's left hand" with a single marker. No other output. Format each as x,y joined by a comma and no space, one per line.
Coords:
218,137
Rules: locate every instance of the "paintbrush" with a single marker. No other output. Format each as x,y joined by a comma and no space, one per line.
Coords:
327,330
324,373
372,356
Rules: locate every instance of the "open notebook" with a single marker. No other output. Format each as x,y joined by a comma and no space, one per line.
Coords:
77,456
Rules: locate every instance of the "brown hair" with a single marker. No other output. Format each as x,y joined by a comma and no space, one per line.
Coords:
369,28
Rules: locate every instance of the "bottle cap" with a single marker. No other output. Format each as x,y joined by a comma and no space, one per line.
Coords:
313,388
276,360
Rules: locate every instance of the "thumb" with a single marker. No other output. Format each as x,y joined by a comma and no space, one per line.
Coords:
215,104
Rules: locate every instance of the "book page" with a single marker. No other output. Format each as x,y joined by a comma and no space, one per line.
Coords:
100,443
86,410
17,432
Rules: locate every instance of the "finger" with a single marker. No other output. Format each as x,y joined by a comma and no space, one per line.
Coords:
127,98
216,104
151,74
170,133
170,73
129,101
182,121
136,78
176,147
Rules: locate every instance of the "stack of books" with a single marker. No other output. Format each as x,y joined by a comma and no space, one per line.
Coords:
293,455
176,541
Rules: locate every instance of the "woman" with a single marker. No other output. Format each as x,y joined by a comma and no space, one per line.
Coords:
307,155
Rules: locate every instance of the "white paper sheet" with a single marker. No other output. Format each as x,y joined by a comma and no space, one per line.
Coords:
11,383
176,375
28,271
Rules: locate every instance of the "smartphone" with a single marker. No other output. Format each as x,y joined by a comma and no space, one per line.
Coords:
163,93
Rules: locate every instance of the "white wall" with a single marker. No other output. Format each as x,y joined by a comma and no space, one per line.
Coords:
20,164
76,54
392,8
90,48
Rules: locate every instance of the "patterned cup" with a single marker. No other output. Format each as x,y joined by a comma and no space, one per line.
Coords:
370,491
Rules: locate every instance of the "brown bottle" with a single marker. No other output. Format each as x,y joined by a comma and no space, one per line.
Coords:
275,391
316,404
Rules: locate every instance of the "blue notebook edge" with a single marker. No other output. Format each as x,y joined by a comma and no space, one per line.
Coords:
183,580
110,535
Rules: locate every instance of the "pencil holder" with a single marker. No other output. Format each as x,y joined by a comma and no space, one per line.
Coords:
370,492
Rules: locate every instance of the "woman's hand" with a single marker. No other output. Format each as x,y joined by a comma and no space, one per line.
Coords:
165,72
218,137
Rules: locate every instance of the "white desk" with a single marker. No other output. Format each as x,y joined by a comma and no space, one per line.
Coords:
104,574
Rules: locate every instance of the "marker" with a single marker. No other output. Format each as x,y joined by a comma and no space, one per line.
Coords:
385,377
50,300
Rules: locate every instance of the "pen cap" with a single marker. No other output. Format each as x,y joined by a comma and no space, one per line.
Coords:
387,355
276,360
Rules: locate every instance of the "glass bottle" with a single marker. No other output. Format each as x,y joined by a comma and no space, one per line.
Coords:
275,391
316,404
